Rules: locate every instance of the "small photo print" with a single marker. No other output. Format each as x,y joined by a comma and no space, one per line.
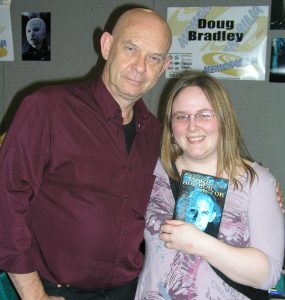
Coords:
277,21
277,68
36,36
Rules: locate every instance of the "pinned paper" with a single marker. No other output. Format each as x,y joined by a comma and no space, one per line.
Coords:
6,38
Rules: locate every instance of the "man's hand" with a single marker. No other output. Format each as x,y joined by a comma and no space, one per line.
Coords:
29,286
280,196
46,297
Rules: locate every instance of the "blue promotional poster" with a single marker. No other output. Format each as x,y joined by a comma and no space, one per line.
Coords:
277,70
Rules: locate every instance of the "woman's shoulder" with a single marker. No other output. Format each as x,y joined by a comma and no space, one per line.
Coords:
263,179
159,170
262,171
262,176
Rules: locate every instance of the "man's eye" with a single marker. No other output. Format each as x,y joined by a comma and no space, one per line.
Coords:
154,59
130,49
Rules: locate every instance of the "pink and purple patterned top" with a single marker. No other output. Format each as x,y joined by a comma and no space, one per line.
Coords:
251,218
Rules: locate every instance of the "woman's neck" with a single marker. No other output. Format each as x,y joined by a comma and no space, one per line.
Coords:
209,168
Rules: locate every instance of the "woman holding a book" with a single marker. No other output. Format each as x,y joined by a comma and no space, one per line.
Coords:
244,260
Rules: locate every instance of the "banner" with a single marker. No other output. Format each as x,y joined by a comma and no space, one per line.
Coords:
226,42
6,38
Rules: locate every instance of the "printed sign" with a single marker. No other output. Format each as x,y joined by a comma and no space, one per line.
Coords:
227,42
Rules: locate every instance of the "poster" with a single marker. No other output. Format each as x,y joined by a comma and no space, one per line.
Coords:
277,21
6,38
277,66
36,36
226,42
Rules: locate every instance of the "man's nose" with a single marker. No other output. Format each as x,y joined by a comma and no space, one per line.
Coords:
140,63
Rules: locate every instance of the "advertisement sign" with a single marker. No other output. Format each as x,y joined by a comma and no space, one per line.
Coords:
226,42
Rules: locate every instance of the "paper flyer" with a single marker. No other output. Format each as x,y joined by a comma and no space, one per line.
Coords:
6,37
226,42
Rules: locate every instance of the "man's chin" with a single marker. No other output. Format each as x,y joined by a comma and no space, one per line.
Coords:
132,95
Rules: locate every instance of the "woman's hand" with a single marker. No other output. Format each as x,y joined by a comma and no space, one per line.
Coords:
279,194
239,264
183,236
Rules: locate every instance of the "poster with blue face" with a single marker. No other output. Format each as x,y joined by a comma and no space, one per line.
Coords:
277,67
201,200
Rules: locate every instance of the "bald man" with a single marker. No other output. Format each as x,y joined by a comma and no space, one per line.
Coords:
77,172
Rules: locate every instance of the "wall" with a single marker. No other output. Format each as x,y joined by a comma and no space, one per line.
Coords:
76,27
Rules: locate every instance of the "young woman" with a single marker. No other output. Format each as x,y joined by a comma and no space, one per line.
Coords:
201,134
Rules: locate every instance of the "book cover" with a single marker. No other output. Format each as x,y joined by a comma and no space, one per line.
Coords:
201,200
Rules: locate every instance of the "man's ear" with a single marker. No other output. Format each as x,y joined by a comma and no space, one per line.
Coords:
106,43
165,65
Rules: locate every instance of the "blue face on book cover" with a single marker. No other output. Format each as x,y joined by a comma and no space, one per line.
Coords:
201,200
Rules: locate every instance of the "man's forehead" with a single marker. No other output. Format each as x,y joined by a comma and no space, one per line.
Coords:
140,34
143,44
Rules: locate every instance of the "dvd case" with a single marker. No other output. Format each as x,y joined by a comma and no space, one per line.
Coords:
201,200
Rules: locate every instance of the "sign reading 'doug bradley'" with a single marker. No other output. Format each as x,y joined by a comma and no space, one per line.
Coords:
227,42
